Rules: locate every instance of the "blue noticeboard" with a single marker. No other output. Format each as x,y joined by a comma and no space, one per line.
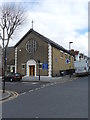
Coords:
44,66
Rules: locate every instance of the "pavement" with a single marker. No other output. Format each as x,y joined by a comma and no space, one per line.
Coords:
7,94
46,79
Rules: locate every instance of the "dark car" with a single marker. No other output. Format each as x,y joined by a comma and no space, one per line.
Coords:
13,77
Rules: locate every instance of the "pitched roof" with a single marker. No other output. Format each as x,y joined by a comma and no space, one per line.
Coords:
45,39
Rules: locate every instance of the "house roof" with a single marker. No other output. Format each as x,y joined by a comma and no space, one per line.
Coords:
45,39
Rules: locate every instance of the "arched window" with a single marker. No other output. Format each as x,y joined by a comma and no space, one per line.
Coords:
31,46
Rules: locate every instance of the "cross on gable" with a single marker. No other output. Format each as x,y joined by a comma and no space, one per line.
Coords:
32,24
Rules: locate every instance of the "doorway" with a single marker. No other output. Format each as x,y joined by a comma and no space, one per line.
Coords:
32,70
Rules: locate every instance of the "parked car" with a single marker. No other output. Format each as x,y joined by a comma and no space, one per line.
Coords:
13,77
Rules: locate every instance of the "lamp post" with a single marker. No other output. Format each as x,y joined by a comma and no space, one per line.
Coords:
70,57
70,46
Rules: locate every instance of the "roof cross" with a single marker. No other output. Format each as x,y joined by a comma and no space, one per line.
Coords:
32,24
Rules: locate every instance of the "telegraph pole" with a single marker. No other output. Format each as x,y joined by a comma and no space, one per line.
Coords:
70,57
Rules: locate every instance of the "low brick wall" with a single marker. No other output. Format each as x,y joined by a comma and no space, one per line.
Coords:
64,72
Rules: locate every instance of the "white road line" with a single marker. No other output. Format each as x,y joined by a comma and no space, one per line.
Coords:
48,85
51,84
23,93
36,89
34,83
31,90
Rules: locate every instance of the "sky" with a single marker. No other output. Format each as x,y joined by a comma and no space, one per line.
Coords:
62,21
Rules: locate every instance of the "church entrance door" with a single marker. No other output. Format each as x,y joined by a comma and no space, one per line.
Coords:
32,70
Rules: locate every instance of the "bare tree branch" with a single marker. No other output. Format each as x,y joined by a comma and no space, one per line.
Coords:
11,18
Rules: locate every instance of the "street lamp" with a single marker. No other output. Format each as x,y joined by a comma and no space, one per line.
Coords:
70,56
69,45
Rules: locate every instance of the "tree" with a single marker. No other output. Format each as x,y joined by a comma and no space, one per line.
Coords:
11,17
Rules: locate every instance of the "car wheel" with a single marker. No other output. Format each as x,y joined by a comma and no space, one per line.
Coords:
11,80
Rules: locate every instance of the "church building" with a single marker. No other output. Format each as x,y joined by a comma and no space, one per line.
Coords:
36,52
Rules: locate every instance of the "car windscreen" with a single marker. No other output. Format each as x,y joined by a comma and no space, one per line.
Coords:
17,74
10,74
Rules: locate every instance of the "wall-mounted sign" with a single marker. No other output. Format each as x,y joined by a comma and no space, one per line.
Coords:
56,60
67,61
44,66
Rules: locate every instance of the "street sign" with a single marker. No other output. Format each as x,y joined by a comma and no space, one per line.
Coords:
67,61
44,66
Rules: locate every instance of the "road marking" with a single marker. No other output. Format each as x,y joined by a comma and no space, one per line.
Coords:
51,84
31,90
36,88
42,87
13,96
34,83
47,85
23,93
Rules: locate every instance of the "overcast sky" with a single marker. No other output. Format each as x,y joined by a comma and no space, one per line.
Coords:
62,21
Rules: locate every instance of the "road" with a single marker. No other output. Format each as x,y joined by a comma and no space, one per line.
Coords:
21,87
61,100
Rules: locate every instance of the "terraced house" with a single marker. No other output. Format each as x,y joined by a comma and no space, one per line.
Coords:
34,48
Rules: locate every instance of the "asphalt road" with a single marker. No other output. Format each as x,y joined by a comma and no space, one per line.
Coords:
21,87
61,100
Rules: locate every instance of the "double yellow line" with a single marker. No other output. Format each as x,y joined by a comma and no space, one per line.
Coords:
13,95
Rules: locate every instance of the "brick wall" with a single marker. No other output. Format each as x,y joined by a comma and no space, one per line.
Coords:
59,61
40,54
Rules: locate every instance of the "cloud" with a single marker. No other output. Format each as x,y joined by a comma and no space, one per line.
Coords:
60,20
